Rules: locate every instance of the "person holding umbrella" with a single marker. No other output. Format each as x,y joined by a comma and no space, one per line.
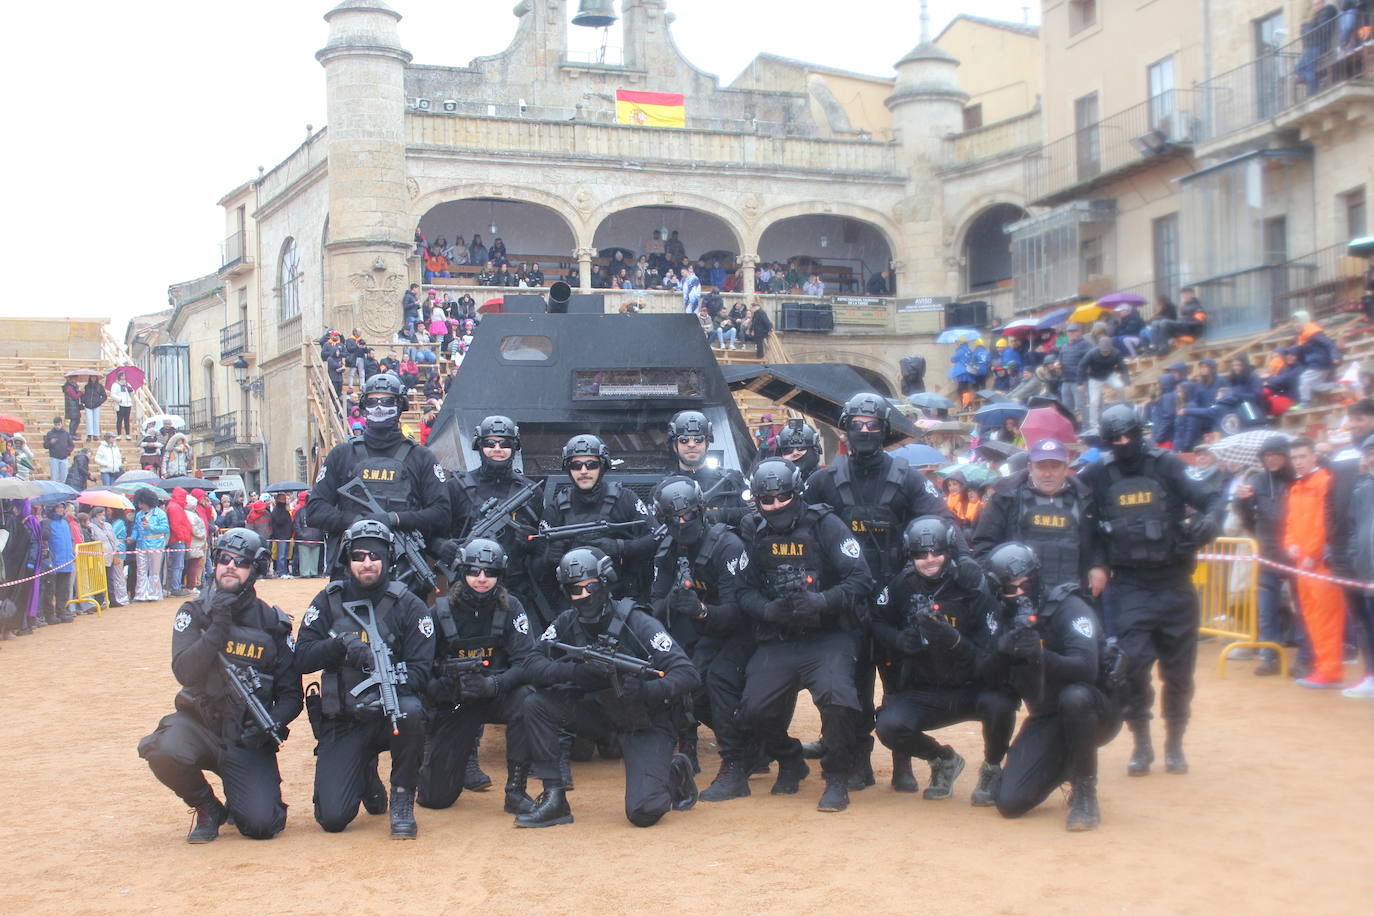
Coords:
92,396
122,393
111,547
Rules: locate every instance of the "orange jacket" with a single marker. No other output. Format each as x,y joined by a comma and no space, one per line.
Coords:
965,506
1305,528
1308,331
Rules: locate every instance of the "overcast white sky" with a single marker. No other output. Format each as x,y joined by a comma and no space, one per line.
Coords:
119,145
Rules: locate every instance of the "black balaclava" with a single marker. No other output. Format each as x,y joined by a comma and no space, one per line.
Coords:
808,462
688,534
866,448
782,520
496,470
1132,453
591,608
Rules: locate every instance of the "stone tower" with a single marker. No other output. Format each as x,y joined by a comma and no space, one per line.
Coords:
927,105
369,233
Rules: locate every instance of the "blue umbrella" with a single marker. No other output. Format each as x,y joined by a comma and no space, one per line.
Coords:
958,335
997,414
1053,319
930,400
919,455
52,488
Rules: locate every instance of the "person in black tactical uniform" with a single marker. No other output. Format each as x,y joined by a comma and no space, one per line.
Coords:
590,497
1053,512
800,444
1151,551
212,729
352,730
690,436
875,495
696,576
585,697
496,441
403,477
478,620
805,579
1052,649
936,619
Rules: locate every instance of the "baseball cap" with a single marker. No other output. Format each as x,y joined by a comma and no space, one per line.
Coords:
1049,450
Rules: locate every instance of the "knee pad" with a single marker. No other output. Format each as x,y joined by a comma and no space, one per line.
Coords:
260,830
641,818
1076,700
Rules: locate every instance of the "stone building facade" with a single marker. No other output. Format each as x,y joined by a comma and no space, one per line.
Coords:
792,159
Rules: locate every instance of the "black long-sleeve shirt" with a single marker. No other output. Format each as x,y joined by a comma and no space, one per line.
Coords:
960,597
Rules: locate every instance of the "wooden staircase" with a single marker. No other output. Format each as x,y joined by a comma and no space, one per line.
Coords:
752,405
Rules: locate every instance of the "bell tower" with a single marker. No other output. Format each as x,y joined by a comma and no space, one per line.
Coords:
369,224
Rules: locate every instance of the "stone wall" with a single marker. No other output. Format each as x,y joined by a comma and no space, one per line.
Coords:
52,338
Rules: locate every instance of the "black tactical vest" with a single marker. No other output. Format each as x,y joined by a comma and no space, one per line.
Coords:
336,686
875,525
1137,516
384,474
491,645
251,643
1052,525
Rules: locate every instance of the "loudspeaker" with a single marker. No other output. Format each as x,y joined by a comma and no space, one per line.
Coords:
816,317
587,304
524,304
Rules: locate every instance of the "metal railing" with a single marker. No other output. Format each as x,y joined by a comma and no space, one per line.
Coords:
1336,52
202,411
235,249
232,427
1155,128
1267,295
233,339
289,335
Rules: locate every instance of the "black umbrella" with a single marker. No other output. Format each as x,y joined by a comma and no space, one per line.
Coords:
930,400
186,483
287,486
993,450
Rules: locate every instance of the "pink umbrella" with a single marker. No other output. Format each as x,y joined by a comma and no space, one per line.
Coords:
132,374
1046,423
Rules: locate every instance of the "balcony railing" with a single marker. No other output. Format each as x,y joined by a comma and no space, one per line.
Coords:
233,427
992,140
1264,296
235,250
233,339
1338,51
201,413
1157,128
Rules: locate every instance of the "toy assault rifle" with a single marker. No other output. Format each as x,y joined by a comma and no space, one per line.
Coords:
922,608
245,683
386,675
409,543
453,667
1026,617
583,529
497,515
606,655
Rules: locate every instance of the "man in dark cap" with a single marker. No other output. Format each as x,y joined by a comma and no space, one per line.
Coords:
1262,501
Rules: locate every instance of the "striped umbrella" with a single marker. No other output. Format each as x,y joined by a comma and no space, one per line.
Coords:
1244,448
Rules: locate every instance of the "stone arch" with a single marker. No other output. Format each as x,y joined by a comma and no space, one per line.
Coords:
879,220
560,206
984,248
712,207
849,249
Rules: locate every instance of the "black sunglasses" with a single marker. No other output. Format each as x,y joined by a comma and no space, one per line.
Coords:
482,571
691,440
496,443
927,554
380,402
591,465
228,559
865,426
362,556
771,499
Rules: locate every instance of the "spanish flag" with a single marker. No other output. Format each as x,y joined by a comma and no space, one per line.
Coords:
650,109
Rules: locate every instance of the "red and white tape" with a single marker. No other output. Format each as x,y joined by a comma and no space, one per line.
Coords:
1311,574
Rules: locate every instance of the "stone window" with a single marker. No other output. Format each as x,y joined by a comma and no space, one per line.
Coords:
1082,15
1356,223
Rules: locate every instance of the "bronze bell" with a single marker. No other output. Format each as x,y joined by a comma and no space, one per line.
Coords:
595,14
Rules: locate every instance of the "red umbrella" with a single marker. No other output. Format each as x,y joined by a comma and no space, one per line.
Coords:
1046,423
493,306
132,374
9,423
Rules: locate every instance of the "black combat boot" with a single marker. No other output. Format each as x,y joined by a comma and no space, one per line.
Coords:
1144,753
791,771
374,795
474,780
903,780
1174,761
732,781
682,788
988,775
1083,810
403,814
206,820
813,750
550,808
836,794
861,777
688,745
518,800
944,769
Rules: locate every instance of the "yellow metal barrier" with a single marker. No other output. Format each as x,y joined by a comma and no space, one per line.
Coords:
90,576
1228,590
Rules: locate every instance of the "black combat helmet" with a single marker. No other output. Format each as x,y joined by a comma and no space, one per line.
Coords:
387,383
482,553
496,427
773,476
797,434
369,534
689,423
1118,420
586,446
866,404
582,563
927,534
1011,562
245,544
677,495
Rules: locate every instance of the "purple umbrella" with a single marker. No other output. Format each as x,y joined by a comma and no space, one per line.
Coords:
1121,299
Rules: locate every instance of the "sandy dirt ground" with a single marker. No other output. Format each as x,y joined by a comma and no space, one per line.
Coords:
1275,817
